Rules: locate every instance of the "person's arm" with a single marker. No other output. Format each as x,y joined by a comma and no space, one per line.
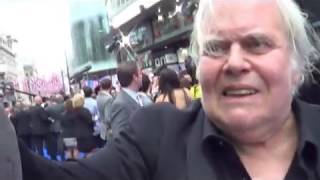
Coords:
107,110
130,156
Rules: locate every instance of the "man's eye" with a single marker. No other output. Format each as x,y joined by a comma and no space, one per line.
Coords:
216,49
256,45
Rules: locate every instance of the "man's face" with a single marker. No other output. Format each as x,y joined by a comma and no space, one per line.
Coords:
245,70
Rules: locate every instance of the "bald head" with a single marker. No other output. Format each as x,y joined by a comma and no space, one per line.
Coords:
59,98
38,100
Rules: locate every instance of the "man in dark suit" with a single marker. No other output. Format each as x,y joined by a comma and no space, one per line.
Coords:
55,112
40,125
22,123
127,101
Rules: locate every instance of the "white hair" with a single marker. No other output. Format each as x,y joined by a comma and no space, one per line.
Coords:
303,40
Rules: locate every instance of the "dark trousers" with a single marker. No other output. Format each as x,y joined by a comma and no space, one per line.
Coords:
37,143
61,147
52,145
26,139
100,142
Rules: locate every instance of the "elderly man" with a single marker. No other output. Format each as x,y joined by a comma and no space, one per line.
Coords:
252,55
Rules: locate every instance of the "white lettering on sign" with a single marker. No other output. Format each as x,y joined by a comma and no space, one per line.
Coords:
160,61
170,58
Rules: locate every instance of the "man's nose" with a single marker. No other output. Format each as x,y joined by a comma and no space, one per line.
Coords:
236,62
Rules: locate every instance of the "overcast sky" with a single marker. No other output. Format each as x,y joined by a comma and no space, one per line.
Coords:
42,29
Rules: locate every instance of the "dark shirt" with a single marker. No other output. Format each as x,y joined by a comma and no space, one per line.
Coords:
163,143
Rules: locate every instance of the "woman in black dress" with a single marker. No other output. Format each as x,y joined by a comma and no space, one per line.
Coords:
83,125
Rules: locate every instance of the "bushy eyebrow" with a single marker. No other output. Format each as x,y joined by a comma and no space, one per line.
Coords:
261,37
257,36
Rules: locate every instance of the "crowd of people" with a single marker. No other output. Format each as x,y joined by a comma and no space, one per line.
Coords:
67,128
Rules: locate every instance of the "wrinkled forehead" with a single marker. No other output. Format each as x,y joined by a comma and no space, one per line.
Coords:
221,15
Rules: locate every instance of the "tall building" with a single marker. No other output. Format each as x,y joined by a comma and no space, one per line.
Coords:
8,64
8,69
89,28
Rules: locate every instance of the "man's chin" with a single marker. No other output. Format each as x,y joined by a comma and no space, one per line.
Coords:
239,121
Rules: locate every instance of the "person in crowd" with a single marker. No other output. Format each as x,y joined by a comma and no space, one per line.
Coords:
91,104
128,99
252,58
45,102
40,126
10,164
171,91
84,125
195,89
104,101
22,123
113,92
185,80
143,91
96,91
68,125
155,87
55,111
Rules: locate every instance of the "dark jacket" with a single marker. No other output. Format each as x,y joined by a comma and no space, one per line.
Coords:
163,143
40,124
55,113
22,123
83,125
68,124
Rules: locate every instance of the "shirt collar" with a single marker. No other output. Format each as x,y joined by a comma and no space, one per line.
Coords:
211,133
308,122
104,92
131,93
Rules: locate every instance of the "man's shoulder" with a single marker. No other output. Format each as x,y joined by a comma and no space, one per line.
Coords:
103,97
121,98
34,109
166,114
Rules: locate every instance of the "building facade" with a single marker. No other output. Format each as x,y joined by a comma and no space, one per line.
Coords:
8,64
89,28
8,69
156,33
